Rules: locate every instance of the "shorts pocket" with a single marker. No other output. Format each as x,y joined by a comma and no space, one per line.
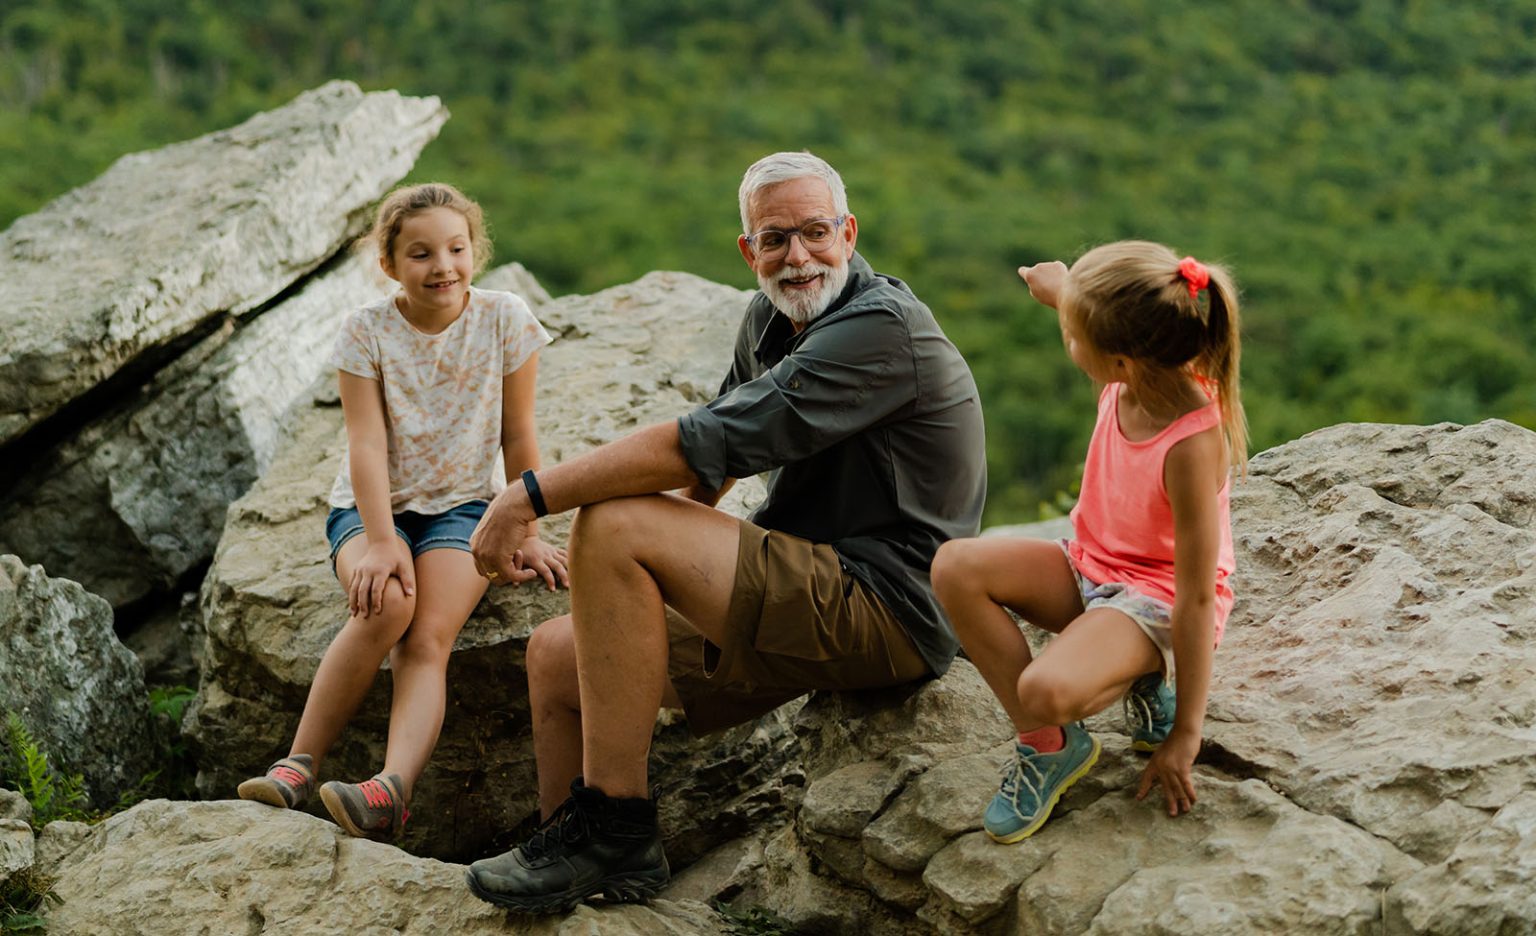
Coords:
805,612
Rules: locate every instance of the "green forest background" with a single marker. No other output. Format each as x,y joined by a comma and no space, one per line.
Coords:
1365,166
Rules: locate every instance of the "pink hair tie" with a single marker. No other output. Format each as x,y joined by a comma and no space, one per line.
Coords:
1195,274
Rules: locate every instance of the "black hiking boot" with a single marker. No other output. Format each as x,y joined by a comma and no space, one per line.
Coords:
593,844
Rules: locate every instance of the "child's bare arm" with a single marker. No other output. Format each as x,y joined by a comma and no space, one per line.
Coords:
362,406
1046,281
1193,474
520,451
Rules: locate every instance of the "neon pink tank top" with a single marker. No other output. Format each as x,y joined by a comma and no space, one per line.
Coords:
1123,520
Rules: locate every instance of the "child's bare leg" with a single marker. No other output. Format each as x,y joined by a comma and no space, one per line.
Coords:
350,663
447,590
976,579
1086,669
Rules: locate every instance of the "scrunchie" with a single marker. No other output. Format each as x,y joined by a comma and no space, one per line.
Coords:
1195,274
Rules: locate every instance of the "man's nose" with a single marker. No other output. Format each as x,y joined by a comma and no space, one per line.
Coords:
798,255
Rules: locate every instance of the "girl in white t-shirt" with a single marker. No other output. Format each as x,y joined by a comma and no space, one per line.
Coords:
437,386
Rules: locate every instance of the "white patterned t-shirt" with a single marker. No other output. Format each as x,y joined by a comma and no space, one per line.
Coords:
442,396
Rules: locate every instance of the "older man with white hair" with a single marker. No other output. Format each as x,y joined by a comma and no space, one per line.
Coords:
845,389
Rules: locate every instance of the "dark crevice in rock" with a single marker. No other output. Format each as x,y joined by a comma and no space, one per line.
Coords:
117,394
133,615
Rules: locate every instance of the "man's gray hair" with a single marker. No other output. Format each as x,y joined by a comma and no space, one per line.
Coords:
783,167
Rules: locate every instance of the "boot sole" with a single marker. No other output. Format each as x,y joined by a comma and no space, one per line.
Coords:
630,888
261,790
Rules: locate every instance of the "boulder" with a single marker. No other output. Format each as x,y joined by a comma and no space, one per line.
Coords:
236,867
166,241
626,357
1369,760
17,848
79,692
137,499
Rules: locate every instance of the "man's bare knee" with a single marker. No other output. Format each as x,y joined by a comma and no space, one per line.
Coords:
551,661
610,523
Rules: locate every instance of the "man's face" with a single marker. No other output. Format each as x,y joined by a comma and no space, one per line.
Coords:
805,279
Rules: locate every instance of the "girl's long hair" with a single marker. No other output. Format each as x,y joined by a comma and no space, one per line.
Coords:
1130,298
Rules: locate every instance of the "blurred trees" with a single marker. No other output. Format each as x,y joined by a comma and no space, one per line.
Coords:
1365,166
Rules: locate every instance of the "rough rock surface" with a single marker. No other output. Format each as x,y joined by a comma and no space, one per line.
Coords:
626,357
1370,763
17,848
235,867
79,691
138,498
233,217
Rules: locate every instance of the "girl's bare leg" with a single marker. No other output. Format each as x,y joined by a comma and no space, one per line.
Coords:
977,579
447,590
350,663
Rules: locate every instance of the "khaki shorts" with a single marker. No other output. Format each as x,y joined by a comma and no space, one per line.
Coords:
798,621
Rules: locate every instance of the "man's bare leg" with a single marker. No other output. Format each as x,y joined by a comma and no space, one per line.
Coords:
630,558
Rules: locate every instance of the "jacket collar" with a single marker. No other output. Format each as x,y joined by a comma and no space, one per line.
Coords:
779,332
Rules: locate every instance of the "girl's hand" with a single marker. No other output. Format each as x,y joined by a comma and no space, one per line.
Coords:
543,561
365,593
1045,281
1170,767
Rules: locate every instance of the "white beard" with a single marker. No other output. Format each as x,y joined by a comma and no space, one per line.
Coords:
799,306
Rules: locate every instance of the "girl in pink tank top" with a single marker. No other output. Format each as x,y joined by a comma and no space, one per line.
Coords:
1138,600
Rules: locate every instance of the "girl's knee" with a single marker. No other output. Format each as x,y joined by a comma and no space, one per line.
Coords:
427,642
952,572
394,617
1049,696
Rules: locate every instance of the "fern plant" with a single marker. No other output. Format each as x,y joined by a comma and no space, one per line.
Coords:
52,793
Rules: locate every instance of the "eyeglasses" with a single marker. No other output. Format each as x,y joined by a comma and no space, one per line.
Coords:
817,235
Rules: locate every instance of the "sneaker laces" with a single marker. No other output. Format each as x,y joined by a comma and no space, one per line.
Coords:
376,794
1138,713
1014,779
282,773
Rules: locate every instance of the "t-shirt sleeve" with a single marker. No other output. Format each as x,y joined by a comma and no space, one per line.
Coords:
521,333
354,350
845,378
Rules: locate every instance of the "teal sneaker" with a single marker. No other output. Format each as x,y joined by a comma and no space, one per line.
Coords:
1149,707
1033,782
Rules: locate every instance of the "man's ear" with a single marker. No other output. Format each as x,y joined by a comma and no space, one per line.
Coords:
746,252
850,233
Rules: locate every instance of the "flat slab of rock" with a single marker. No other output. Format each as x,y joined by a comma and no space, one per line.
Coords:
79,691
166,239
236,867
626,357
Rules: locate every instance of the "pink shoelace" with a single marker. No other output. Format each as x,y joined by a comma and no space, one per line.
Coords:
375,794
285,774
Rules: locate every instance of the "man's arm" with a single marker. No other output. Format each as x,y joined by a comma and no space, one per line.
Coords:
644,462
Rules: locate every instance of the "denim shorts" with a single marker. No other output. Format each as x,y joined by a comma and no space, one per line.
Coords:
450,529
1154,617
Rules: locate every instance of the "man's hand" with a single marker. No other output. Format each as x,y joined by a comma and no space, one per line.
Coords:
502,532
545,561
1170,767
1046,281
365,592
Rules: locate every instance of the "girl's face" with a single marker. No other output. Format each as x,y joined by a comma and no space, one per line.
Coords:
433,260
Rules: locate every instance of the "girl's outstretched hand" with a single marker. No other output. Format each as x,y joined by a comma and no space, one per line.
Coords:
365,592
544,561
1045,281
1170,767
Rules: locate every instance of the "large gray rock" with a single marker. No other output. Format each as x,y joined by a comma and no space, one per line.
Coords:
1370,763
627,357
236,867
79,692
138,498
165,240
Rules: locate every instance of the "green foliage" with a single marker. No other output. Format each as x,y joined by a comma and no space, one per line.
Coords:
25,767
22,895
753,921
176,777
1362,165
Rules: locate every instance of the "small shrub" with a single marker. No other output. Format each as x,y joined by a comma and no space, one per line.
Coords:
26,769
21,896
